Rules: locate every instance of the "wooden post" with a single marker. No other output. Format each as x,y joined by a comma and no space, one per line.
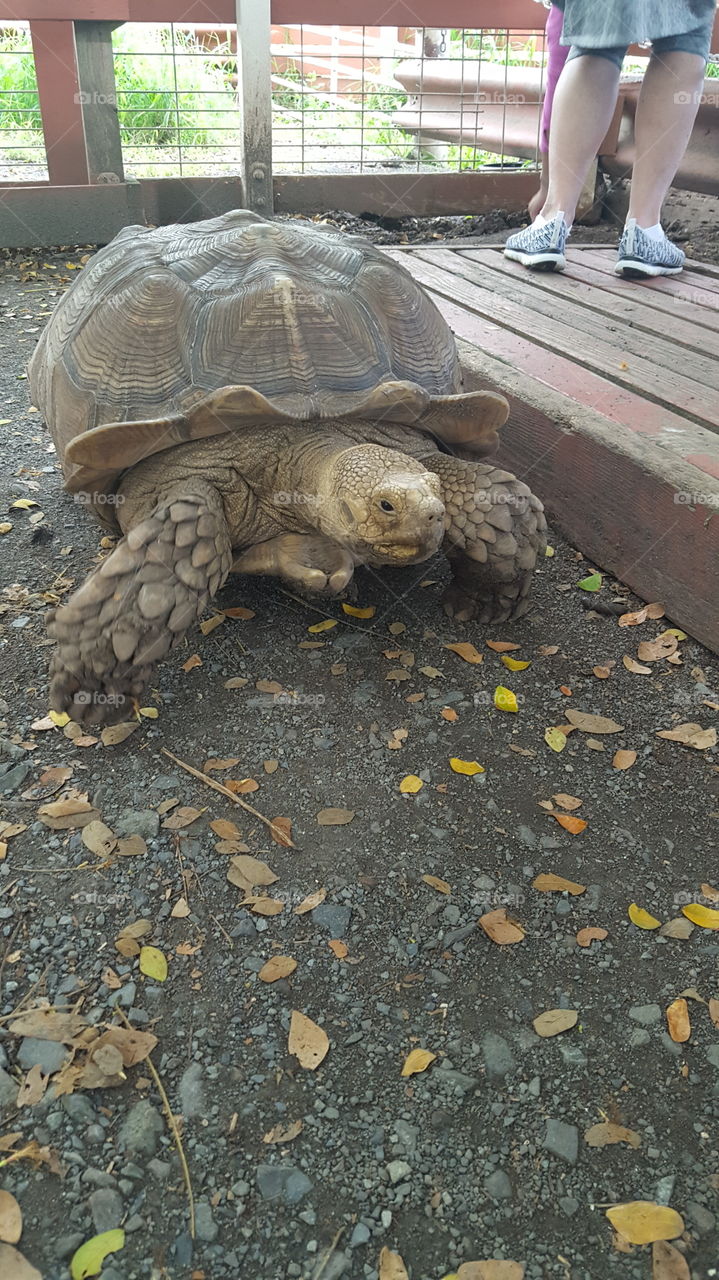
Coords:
53,46
98,99
254,91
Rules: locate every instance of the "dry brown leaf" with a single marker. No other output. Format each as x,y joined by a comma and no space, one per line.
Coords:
602,673
130,846
225,829
607,1134
10,1220
113,734
65,815
181,909
111,979
277,967
310,902
99,839
448,713
127,947
284,1133
707,890
502,646
416,1061
549,883
241,786
623,759
713,1007
491,1269
590,934
182,817
553,1021
47,1024
654,650
133,1046
435,883
14,1266
194,661
588,723
338,948
137,929
239,611
246,872
566,802
690,735
548,650
236,682
635,667
264,906
573,825
643,1221
668,1263
335,817
634,619
679,927
678,1021
307,1042
466,652
48,783
270,766
32,1088
215,765
391,1266
501,928
281,832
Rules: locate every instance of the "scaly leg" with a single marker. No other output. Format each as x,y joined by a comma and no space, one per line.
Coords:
311,562
495,531
138,604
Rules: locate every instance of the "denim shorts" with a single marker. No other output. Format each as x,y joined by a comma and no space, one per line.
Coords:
696,41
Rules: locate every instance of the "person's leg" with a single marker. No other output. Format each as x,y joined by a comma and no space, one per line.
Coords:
667,108
556,57
582,112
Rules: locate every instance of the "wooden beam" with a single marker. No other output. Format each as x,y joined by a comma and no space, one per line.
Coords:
98,99
254,92
58,85
519,14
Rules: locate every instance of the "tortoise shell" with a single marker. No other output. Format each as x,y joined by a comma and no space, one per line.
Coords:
179,332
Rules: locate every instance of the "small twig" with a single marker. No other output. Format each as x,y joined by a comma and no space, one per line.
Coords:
172,1126
328,1255
6,952
7,887
6,1016
282,837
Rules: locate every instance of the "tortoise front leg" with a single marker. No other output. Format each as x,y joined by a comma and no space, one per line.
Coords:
495,531
310,561
138,604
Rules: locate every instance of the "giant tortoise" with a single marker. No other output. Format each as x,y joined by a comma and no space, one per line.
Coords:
240,395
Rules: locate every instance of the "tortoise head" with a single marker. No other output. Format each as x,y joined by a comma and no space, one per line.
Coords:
383,505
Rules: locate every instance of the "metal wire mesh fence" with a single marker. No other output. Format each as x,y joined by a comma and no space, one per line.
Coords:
346,99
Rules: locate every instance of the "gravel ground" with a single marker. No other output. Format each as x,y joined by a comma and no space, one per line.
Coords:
483,1154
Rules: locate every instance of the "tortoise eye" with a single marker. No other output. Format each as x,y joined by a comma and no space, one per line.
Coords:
385,505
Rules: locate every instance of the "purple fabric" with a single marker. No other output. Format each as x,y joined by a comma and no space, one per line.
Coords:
558,54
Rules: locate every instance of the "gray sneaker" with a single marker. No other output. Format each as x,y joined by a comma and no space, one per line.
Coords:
540,247
641,255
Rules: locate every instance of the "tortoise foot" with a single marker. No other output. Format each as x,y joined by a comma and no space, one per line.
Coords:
310,563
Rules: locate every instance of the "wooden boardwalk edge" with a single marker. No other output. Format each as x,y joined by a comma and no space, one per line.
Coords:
621,500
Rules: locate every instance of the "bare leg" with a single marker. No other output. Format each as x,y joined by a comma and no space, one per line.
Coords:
581,114
309,561
495,531
666,111
539,198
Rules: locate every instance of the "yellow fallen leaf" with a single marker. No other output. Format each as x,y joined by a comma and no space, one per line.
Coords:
325,625
23,504
88,1259
643,1221
60,718
435,883
153,963
555,739
150,713
705,917
416,1061
504,699
624,759
554,1021
5,526
355,612
410,785
642,919
468,767
490,1269
570,823
466,651
678,1022
514,664
549,883
307,1042
549,551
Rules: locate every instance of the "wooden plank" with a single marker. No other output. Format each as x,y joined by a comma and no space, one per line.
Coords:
90,214
613,495
98,98
53,46
254,94
701,313
471,288
677,286
628,308
399,195
704,268
519,14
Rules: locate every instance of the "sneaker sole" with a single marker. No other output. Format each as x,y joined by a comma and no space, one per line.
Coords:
540,261
635,269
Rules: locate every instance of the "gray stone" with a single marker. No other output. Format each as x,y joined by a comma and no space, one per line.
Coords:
205,1225
448,1076
713,1054
106,1208
639,1037
498,1057
498,1186
79,1108
297,1186
407,1134
137,822
12,777
49,1055
645,1014
562,1140
569,1206
10,750
141,1130
192,1092
159,1169
703,1219
275,1182
397,1170
665,1189
572,1055
335,919
360,1235
65,1246
8,1090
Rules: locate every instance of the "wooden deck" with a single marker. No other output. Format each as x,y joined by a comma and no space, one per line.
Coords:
614,387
